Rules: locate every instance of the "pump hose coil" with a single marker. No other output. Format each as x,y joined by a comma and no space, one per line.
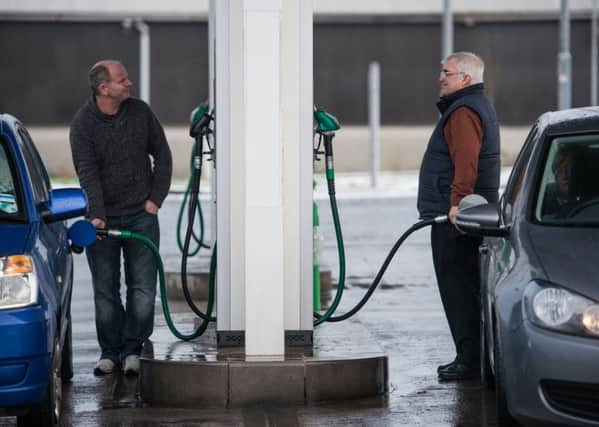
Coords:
199,240
124,234
417,226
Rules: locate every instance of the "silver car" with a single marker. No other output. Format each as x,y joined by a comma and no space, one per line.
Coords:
540,276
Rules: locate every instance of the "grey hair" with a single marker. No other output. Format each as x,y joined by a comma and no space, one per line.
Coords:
470,64
99,73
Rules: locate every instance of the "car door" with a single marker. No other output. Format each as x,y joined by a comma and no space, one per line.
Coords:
52,245
497,254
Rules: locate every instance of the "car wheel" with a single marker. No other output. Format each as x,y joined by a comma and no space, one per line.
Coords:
47,412
66,369
504,418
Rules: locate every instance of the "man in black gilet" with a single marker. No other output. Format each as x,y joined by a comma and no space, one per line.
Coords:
462,158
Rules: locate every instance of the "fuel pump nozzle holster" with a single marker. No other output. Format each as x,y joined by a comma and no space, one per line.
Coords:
326,125
200,121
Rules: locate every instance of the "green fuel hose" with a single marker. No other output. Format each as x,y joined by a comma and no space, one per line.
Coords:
330,173
124,234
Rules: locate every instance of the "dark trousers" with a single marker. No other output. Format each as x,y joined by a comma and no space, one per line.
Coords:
455,257
122,330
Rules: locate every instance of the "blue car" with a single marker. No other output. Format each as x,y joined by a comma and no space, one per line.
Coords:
36,278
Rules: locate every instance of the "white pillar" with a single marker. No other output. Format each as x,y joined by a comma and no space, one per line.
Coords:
230,165
211,232
263,105
264,333
297,105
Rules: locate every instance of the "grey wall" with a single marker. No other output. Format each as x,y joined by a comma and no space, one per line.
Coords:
43,66
521,64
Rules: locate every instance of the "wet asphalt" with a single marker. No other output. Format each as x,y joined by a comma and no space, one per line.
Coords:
404,316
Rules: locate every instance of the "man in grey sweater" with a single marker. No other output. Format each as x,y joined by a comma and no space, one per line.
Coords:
124,164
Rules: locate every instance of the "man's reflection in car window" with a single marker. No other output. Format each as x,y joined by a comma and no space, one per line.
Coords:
562,195
569,191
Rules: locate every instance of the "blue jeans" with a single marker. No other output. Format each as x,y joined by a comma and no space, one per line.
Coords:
122,330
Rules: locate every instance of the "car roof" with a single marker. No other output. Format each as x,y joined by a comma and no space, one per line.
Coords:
8,119
572,120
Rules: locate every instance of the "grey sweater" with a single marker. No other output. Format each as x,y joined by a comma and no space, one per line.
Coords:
111,154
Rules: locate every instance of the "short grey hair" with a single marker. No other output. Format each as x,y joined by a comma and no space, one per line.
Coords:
470,64
99,73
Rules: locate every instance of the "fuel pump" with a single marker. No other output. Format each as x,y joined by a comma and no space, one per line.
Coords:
199,130
326,125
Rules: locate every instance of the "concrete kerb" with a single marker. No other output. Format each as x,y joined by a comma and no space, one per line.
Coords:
199,375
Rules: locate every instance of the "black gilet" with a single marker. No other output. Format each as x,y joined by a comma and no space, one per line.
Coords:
437,169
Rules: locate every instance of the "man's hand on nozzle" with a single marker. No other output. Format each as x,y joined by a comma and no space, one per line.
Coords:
99,224
452,213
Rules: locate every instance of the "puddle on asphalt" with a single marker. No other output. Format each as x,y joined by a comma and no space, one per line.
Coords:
89,406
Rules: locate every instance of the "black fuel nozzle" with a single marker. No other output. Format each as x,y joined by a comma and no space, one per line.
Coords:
316,149
210,143
109,232
76,249
200,119
199,127
102,232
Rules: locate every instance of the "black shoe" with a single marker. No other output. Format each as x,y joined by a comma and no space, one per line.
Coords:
459,371
445,366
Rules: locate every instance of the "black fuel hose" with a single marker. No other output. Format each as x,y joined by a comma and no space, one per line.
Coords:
417,226
194,196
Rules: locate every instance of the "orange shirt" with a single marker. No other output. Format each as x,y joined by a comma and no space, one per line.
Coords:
464,135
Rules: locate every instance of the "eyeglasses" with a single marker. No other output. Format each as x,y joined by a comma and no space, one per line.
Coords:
447,73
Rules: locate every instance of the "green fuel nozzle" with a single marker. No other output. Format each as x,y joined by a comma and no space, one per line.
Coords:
326,125
325,122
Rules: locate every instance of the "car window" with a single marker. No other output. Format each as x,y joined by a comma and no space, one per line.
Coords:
10,206
568,192
35,166
514,184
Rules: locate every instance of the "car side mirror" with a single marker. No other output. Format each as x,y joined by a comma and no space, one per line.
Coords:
478,218
65,203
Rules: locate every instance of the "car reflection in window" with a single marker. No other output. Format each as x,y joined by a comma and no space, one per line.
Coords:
8,204
8,201
569,188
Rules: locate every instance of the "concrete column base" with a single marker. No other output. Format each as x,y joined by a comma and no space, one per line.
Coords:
344,363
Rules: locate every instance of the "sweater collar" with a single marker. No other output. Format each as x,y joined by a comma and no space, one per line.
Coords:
107,117
446,101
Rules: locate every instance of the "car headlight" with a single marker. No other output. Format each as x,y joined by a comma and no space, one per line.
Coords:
18,284
553,307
